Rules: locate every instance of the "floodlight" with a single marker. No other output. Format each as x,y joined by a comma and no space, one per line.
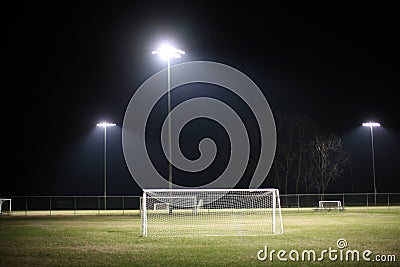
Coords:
168,52
105,124
371,124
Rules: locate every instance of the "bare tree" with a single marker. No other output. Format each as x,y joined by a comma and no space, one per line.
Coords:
305,128
291,160
327,161
304,159
284,156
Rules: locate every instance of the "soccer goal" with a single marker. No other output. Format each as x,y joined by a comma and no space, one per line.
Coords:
210,212
2,200
330,204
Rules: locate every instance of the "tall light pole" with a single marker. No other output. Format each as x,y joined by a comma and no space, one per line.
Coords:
372,125
105,125
168,52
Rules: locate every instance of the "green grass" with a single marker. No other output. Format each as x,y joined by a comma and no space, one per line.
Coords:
114,240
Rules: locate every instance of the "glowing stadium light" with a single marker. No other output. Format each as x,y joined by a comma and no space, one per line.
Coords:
105,125
168,52
371,124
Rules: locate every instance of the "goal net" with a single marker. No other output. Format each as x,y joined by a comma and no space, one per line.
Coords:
330,204
3,200
210,212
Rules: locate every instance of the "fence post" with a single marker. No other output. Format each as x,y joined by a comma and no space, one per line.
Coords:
123,205
388,201
343,200
74,205
98,205
298,203
367,201
50,206
26,206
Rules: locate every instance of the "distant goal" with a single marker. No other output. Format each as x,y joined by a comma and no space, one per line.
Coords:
7,202
330,204
210,212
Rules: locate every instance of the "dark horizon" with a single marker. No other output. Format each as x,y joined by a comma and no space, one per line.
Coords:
70,67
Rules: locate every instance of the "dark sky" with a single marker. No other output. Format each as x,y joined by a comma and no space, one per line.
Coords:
70,65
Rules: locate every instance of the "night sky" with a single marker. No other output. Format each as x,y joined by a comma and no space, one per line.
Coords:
71,65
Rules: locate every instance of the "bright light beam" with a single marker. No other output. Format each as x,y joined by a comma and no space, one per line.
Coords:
105,125
167,52
371,124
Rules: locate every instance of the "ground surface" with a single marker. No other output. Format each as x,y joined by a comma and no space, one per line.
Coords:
114,240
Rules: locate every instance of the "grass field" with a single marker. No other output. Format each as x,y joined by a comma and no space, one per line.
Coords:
114,240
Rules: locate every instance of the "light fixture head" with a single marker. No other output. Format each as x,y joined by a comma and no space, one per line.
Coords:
105,124
371,124
167,52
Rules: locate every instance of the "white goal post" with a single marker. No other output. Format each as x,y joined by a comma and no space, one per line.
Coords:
2,200
210,212
330,204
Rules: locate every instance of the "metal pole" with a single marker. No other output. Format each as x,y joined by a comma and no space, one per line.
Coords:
169,127
373,161
343,201
169,133
144,214
123,205
274,211
105,168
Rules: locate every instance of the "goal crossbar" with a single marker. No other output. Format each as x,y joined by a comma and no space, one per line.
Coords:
211,190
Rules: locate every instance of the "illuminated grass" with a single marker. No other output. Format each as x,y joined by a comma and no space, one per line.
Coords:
76,212
115,240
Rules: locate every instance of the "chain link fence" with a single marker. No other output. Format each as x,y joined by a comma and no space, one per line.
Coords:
130,205
347,199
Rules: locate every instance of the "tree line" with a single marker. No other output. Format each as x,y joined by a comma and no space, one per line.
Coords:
307,159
